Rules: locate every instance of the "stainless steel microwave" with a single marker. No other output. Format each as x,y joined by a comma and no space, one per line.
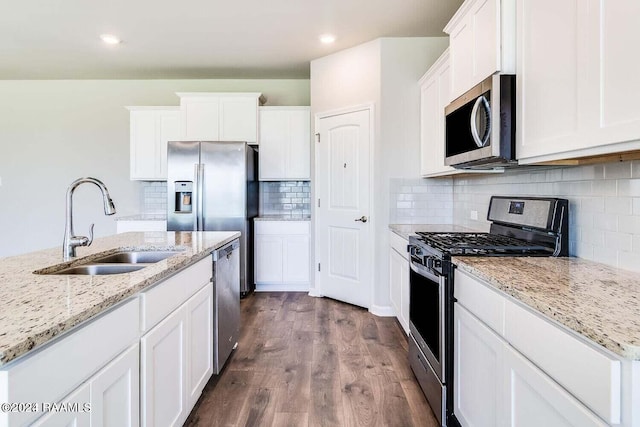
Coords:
480,125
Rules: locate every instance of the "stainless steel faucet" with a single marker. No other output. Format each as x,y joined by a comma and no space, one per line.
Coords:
70,240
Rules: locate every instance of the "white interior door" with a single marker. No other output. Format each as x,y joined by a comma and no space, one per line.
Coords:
343,227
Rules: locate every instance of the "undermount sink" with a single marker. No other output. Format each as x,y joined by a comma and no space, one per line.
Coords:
114,263
136,257
100,269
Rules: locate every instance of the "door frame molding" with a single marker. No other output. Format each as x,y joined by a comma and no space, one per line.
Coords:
370,253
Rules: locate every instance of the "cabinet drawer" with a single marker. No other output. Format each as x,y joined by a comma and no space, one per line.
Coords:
282,227
55,370
399,244
162,299
480,300
588,373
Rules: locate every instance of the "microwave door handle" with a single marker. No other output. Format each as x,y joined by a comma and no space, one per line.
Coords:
480,142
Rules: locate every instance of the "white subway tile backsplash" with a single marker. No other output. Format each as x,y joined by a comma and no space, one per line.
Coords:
629,224
285,198
629,188
617,170
617,241
604,204
628,261
604,188
618,205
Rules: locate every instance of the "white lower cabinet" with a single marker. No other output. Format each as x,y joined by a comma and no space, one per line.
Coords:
81,396
282,255
399,279
163,372
177,361
115,398
533,399
514,368
478,371
199,343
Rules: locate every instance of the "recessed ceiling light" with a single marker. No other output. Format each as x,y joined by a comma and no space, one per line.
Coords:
327,38
110,39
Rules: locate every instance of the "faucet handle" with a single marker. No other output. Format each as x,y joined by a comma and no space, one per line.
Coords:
90,235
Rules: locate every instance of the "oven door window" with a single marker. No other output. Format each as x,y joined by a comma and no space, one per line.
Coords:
424,310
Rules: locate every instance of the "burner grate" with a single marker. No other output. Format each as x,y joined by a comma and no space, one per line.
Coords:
480,244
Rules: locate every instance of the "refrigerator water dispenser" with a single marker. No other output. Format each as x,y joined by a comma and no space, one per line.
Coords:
183,196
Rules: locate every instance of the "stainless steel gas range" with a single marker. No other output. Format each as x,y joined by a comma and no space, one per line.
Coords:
520,226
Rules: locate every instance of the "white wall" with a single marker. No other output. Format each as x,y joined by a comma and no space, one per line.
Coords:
383,72
52,132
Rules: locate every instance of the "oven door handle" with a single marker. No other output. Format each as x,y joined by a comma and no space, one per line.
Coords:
423,271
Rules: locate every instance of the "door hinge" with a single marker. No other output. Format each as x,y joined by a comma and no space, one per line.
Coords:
318,202
318,137
318,266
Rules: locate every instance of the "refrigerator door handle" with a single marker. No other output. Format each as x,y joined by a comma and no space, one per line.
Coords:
196,198
201,197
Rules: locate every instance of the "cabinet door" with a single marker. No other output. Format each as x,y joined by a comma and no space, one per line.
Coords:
239,118
167,129
548,69
434,98
614,73
115,392
296,261
80,418
398,280
142,140
199,343
200,118
486,39
477,371
273,144
269,256
533,399
285,143
299,150
163,368
461,54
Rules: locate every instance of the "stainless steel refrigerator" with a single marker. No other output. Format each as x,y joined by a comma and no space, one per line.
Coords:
213,186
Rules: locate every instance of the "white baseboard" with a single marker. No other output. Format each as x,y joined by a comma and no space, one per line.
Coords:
301,287
313,292
382,311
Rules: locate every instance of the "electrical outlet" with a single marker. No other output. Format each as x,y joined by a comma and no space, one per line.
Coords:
474,215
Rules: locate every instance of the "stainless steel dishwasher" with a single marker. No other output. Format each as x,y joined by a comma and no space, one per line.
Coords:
226,302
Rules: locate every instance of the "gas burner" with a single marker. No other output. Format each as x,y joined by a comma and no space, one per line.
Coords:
481,244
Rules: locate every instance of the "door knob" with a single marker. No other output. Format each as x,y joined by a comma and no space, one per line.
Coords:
362,219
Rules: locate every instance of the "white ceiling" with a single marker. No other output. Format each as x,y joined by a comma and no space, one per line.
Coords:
197,38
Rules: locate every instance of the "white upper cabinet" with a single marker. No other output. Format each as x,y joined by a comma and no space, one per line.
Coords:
434,96
482,42
575,83
219,116
150,129
435,87
285,135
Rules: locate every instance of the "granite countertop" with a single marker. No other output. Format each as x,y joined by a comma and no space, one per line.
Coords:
599,302
143,217
404,230
283,218
35,308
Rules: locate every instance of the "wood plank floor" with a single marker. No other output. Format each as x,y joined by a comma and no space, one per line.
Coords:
304,361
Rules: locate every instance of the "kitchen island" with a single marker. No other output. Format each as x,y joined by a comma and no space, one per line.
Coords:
81,336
